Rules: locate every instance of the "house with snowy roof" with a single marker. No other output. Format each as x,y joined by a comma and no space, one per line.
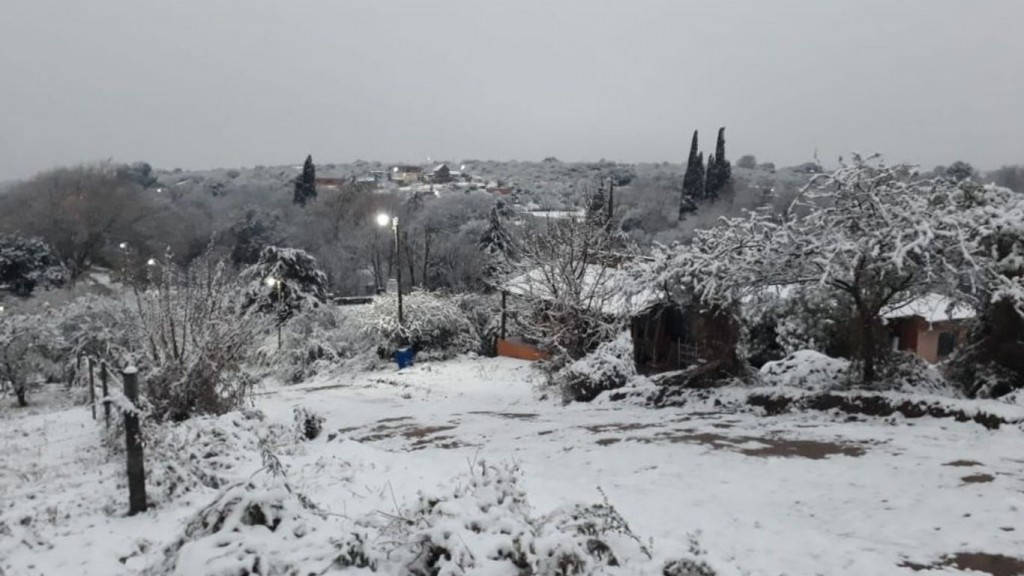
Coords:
931,326
406,174
441,174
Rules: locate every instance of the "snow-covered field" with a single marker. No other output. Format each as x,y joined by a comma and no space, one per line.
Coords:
806,493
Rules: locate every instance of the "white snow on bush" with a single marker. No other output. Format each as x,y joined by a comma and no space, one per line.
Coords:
807,370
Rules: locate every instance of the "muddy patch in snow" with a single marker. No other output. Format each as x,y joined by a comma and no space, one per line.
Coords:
416,436
756,446
620,427
994,564
963,463
509,415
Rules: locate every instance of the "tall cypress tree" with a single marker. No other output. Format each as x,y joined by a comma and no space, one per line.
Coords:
699,192
719,169
711,179
693,180
305,184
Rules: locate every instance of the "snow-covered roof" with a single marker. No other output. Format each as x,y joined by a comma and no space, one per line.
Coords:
932,308
607,288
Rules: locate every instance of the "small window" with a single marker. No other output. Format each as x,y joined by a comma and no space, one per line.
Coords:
947,342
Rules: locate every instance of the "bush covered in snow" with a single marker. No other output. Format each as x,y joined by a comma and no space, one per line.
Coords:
194,340
251,529
484,525
26,263
816,372
26,353
203,452
481,525
307,423
808,370
315,341
433,323
607,368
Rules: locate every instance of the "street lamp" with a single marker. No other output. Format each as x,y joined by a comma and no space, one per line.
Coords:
275,284
383,220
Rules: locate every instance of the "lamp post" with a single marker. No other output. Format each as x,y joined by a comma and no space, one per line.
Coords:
275,284
383,220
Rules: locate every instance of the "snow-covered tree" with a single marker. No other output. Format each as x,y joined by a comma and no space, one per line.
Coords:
26,263
251,233
23,345
567,286
81,212
877,233
992,362
960,171
283,282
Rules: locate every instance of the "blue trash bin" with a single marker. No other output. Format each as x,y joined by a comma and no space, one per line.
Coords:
404,357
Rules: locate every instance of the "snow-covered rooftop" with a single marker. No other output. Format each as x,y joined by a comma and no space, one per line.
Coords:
932,308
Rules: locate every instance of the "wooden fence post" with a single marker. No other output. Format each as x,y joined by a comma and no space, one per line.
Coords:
136,467
106,394
92,389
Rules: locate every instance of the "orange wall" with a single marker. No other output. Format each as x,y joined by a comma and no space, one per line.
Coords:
519,350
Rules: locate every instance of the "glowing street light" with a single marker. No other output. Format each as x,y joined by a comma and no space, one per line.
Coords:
383,220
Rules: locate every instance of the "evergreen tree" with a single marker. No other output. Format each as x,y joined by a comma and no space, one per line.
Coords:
597,207
719,170
711,179
496,245
699,193
495,239
692,181
305,184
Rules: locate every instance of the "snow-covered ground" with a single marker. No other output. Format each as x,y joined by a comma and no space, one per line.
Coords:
805,493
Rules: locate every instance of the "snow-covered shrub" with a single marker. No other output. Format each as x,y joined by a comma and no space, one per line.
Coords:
316,340
96,326
907,372
26,352
194,340
202,452
251,529
484,525
607,368
26,263
484,312
777,322
307,424
808,370
433,324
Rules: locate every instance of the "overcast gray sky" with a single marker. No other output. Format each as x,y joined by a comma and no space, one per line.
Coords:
209,83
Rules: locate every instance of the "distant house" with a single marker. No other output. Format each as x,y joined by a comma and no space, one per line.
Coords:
932,326
406,174
441,174
323,183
